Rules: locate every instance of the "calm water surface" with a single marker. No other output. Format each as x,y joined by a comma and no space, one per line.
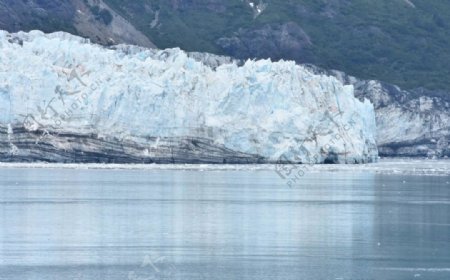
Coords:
110,224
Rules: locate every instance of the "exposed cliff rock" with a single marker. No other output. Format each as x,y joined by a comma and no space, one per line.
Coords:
92,19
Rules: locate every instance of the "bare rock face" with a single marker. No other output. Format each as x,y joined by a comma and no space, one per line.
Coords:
276,41
410,123
117,31
79,17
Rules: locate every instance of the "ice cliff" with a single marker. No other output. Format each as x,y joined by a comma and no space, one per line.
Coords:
410,123
63,99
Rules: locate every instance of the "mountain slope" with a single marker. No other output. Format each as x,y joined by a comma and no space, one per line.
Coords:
89,18
397,41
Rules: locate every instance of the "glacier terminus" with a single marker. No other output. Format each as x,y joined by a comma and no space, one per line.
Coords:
64,99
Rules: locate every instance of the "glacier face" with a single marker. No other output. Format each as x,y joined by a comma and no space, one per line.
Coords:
65,99
410,123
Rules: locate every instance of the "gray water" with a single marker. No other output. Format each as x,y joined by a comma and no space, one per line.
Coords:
124,224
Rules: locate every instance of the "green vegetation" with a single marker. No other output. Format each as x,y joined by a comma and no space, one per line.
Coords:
385,39
193,29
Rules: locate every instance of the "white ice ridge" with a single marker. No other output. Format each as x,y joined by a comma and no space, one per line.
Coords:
406,166
271,109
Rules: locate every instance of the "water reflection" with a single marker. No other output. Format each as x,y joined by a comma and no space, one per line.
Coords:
106,224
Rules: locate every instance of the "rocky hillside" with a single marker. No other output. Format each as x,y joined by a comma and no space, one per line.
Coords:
397,41
88,18
402,42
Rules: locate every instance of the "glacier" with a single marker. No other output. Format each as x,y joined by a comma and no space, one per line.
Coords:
64,99
410,123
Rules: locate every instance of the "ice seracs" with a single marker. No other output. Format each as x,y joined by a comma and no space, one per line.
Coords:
66,98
